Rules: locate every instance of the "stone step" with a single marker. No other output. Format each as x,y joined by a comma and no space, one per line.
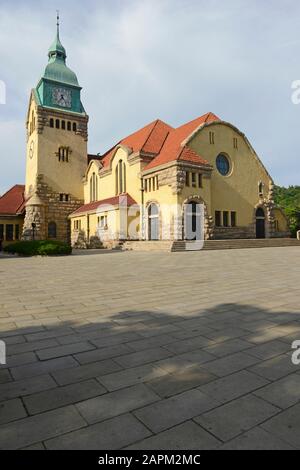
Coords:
238,244
175,246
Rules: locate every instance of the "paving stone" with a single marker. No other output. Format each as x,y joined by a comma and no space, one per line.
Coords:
233,386
65,350
275,368
30,346
184,436
34,429
11,410
102,353
256,439
269,350
286,426
282,393
142,357
61,396
5,376
225,334
230,364
26,386
190,344
228,347
116,339
132,376
115,403
19,359
88,371
171,411
37,446
56,333
233,418
114,433
44,367
150,343
172,384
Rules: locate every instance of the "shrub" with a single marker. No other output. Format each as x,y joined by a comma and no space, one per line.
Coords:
39,247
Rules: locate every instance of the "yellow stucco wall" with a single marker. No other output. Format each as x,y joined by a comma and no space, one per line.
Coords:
239,190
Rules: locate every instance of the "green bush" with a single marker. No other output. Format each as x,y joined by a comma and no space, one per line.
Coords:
289,200
39,247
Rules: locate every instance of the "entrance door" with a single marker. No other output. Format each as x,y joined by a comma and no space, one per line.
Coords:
153,222
193,221
260,223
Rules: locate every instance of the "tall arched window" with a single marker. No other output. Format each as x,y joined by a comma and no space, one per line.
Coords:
52,230
120,177
93,188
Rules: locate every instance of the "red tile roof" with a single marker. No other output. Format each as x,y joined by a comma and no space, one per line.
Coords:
164,142
121,200
174,149
149,139
13,201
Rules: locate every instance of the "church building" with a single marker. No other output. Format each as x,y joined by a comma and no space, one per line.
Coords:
202,179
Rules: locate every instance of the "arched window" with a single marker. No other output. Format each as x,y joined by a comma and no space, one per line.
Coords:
51,122
69,126
260,188
57,123
93,188
63,124
52,230
120,177
74,127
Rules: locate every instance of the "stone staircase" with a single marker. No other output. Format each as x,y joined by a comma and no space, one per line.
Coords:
176,246
237,244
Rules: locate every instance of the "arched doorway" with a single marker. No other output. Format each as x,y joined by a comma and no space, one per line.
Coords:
153,222
260,223
193,221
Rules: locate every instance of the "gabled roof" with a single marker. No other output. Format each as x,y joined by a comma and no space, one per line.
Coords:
124,200
13,201
149,139
174,148
163,142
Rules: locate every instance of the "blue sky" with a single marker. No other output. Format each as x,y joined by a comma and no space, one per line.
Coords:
172,59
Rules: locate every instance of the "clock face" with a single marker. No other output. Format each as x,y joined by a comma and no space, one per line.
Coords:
31,149
62,97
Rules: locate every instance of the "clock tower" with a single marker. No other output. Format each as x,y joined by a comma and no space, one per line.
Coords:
56,157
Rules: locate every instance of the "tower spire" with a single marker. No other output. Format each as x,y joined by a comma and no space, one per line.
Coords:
57,22
57,50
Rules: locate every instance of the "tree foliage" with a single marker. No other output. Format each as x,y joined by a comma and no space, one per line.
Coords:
289,200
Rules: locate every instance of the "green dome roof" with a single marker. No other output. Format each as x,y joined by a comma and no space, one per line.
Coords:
56,68
58,71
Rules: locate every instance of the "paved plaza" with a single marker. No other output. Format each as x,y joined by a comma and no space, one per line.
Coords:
133,350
